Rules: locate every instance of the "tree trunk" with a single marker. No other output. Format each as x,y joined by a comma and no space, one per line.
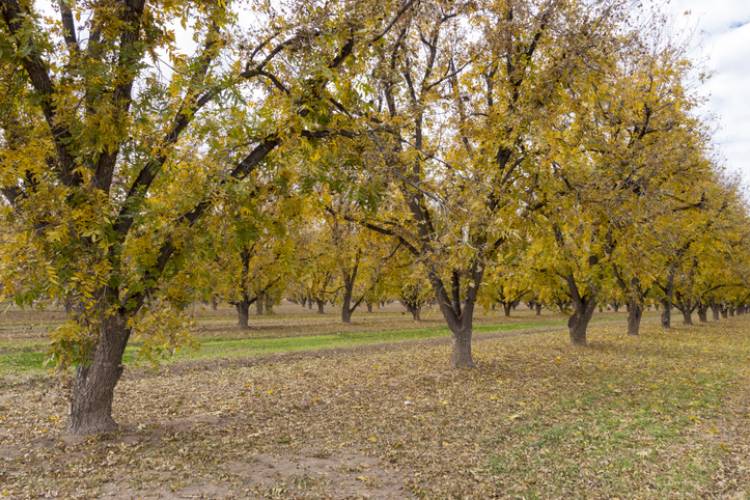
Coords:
94,385
666,314
461,356
369,307
259,302
578,323
321,306
703,313
415,313
269,304
507,308
635,313
716,311
346,314
538,308
731,311
724,312
687,316
616,307
243,313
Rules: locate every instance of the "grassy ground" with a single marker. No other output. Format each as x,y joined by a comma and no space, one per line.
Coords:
23,347
664,415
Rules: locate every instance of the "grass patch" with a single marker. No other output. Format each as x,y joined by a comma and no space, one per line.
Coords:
29,355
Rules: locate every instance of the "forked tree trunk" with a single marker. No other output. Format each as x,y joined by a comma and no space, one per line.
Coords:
635,313
578,323
507,307
94,385
687,316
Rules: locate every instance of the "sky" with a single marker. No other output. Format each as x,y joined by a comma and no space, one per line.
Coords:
719,40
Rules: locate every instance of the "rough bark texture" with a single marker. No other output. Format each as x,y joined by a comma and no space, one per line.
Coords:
578,323
461,356
635,313
94,385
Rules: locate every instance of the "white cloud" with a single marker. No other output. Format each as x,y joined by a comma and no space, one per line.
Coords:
722,43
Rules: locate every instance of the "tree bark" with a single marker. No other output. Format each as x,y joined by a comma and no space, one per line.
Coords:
461,356
703,313
635,313
415,313
578,323
507,306
94,385
666,314
321,306
243,313
687,316
716,311
538,307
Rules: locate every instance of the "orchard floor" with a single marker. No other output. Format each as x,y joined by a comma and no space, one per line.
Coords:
662,415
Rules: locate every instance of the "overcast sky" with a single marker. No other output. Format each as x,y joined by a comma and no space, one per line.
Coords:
720,32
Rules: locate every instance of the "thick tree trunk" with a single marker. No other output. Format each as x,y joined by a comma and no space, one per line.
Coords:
578,323
507,306
724,312
94,385
687,316
666,314
461,356
616,307
346,314
635,313
703,313
321,306
538,308
243,313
